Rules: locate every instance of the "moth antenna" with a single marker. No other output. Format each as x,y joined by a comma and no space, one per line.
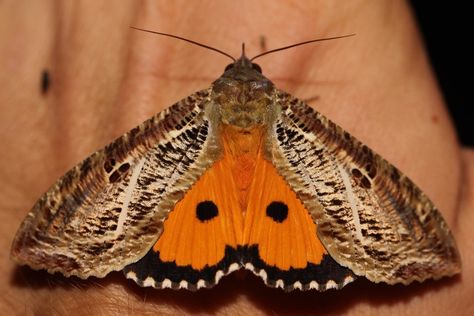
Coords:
243,49
299,44
186,40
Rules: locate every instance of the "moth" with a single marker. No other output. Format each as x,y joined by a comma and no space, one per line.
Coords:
238,175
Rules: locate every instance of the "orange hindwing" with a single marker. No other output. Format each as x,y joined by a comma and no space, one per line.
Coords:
240,212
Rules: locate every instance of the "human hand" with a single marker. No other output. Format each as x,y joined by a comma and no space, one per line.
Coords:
107,78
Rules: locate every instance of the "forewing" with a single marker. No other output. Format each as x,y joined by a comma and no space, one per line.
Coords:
107,211
371,218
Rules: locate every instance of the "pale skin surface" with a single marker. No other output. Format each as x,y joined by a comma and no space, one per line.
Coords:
107,78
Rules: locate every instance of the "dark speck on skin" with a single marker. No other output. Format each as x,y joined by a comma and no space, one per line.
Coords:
45,81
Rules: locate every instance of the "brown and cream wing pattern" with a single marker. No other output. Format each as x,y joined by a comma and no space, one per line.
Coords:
107,211
370,217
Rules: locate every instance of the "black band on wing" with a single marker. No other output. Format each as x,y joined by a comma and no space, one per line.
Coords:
169,274
327,274
152,271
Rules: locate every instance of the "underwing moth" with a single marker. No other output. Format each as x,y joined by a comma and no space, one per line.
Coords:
238,175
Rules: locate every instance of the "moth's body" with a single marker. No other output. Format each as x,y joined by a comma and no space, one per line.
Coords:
244,100
242,148
238,175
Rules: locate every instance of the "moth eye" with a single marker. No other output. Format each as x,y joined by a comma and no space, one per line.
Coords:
278,211
257,67
229,66
206,210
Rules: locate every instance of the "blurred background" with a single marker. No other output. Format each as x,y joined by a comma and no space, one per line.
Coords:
447,31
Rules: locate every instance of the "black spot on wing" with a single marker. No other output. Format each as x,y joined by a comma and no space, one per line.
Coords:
206,210
278,211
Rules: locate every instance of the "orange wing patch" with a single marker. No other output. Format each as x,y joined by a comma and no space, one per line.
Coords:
278,223
204,222
240,212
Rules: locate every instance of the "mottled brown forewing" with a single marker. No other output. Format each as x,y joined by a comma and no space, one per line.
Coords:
371,217
107,211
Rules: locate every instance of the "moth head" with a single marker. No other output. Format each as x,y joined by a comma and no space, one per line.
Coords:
254,66
243,94
243,69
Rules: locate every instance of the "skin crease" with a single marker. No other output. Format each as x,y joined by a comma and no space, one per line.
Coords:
107,78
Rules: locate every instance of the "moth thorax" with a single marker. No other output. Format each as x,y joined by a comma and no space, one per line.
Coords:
243,104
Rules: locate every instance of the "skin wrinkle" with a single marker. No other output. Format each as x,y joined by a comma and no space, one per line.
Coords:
365,89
